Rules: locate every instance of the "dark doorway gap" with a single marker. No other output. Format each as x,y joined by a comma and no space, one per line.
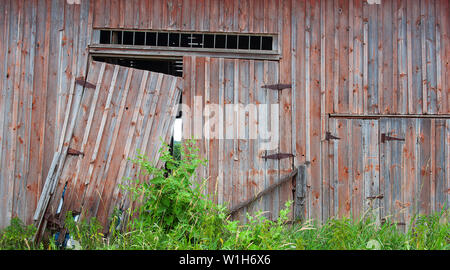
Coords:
172,67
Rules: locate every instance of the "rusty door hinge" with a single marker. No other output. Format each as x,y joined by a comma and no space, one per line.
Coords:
74,152
279,86
385,138
81,81
278,156
328,136
379,196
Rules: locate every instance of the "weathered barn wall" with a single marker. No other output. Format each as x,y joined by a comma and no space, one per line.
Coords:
43,47
341,57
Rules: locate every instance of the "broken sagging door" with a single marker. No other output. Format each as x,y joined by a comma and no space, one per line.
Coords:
122,112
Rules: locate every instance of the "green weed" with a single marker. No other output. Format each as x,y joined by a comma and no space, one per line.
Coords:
171,212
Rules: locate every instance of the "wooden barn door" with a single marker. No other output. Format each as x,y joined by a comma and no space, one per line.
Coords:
414,167
353,168
122,111
236,169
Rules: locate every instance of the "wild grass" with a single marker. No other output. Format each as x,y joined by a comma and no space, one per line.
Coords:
170,212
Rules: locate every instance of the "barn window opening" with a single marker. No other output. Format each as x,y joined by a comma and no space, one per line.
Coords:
170,66
188,40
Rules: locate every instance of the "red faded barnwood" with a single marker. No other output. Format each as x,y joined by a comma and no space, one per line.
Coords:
337,57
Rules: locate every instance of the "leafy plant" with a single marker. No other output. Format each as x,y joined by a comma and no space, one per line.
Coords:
87,233
17,236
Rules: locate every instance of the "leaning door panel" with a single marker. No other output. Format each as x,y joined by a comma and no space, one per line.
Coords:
123,111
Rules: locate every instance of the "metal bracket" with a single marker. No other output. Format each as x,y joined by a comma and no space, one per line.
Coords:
385,138
73,152
81,81
328,136
379,196
278,156
279,86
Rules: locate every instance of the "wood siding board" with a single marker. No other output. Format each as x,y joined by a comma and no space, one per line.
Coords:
256,166
440,169
388,90
404,99
228,129
13,124
5,212
258,19
107,13
336,57
372,59
207,15
351,93
342,29
416,58
260,77
433,165
98,11
299,82
52,44
198,90
114,13
221,90
409,178
154,87
380,46
199,14
64,95
394,42
447,165
440,103
308,103
398,167
431,59
285,102
423,18
243,18
358,56
426,162
20,123
214,129
315,126
342,182
243,129
187,99
357,167
214,15
444,22
329,55
334,163
32,183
